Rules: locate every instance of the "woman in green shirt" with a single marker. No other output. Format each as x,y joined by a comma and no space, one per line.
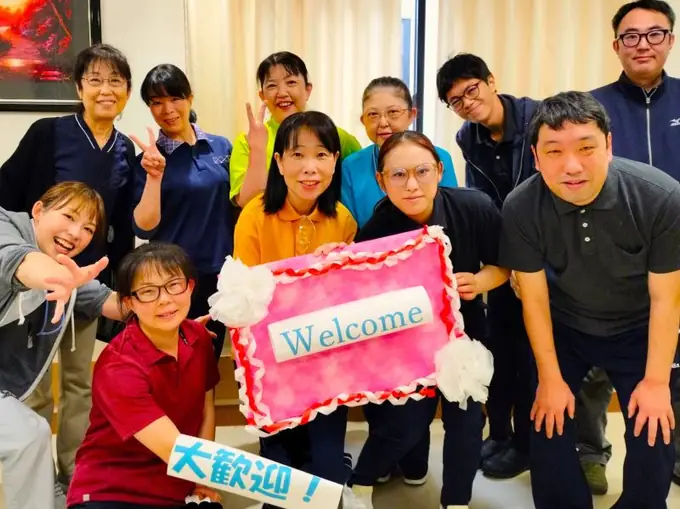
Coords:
284,90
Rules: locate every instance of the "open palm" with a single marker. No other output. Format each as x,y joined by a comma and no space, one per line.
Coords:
60,288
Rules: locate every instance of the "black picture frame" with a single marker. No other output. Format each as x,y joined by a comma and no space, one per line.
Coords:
30,94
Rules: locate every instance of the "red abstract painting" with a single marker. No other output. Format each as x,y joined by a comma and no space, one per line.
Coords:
39,40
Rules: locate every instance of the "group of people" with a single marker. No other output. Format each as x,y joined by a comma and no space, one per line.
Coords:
569,222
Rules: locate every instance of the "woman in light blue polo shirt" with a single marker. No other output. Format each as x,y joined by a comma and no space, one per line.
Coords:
387,109
182,186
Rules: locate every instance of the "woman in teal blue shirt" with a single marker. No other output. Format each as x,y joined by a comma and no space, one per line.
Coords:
387,109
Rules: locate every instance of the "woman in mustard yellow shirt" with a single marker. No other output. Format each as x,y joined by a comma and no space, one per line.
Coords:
299,212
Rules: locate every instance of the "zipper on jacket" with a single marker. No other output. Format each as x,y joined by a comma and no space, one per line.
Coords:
487,178
648,100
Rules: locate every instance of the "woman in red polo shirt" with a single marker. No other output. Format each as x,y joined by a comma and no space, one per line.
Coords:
154,381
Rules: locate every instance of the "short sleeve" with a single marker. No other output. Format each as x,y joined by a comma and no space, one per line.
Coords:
90,299
348,143
664,255
347,189
123,394
519,249
489,230
238,165
138,185
246,234
211,367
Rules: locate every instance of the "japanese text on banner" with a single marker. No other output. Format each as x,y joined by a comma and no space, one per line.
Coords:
235,471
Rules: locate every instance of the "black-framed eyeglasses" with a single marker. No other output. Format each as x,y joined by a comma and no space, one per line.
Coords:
150,293
97,82
471,92
653,37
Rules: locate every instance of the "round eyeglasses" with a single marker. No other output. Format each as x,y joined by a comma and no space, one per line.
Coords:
471,92
423,173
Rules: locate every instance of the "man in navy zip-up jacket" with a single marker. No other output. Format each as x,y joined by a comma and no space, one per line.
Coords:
644,109
498,157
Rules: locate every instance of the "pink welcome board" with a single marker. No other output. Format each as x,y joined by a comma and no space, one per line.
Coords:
362,325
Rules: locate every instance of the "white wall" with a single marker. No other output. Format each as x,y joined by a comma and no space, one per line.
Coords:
148,32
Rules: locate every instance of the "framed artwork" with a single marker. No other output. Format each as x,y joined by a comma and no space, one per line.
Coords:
39,42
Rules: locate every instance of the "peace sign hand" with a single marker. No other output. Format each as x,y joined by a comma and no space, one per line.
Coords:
257,131
153,161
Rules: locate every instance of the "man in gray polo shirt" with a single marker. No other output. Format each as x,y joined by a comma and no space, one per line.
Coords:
595,243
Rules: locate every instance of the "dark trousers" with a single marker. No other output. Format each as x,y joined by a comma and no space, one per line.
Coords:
396,429
206,285
510,395
317,447
414,464
557,480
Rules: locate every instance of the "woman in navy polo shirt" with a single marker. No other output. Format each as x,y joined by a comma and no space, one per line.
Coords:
85,147
409,171
182,186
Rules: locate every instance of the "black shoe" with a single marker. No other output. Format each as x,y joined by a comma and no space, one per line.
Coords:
506,465
492,447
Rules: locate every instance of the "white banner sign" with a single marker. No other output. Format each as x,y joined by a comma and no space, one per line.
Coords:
350,322
232,470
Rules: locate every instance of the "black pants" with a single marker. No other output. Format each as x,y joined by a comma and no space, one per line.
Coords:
317,447
557,479
396,429
510,394
206,285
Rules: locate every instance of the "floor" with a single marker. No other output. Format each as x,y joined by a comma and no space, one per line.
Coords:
487,494
512,494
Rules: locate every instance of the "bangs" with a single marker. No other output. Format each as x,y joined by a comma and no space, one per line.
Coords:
164,89
291,68
165,80
85,208
111,64
323,135
164,268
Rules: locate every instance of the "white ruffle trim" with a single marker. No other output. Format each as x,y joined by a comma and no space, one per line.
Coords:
464,368
243,294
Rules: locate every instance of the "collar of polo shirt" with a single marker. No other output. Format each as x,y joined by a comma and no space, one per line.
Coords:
288,213
169,145
604,201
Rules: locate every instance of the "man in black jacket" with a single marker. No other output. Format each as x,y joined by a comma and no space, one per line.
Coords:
498,157
643,105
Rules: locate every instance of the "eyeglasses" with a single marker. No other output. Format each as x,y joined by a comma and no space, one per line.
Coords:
373,117
653,37
471,92
150,293
423,173
305,236
97,82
